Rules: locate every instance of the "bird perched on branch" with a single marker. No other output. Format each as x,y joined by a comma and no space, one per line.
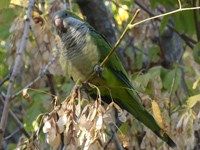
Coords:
83,49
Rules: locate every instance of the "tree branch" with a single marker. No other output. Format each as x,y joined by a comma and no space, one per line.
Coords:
15,71
17,121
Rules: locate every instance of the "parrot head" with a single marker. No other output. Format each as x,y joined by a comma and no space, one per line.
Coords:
65,21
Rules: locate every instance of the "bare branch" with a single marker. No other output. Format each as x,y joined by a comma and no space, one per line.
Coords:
12,134
17,121
15,71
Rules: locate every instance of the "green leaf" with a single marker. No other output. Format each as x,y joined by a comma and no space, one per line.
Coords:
4,30
143,79
4,3
153,4
196,83
155,71
139,61
177,22
193,100
8,15
196,52
123,128
184,21
12,146
168,80
153,54
164,23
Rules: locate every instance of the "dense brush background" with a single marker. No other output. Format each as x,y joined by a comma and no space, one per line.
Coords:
162,58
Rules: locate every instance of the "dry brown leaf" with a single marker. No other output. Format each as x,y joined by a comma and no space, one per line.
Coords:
46,38
71,146
125,140
117,107
107,118
95,146
157,114
61,122
83,123
179,126
25,95
53,139
99,122
109,106
92,114
47,126
162,132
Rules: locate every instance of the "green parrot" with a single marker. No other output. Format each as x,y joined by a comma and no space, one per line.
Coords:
83,49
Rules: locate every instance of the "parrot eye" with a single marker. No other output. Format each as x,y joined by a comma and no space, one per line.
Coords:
66,14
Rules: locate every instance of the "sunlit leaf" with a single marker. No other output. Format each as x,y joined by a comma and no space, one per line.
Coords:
157,114
99,122
25,95
196,83
193,100
109,106
125,140
179,126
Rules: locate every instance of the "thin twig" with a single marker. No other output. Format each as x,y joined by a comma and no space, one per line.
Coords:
15,71
115,137
162,15
182,35
12,134
42,73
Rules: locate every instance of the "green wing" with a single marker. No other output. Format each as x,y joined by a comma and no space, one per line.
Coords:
115,75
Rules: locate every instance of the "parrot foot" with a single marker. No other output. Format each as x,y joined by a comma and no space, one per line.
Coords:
98,70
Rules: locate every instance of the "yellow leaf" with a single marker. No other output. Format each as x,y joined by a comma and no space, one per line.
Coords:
122,14
157,114
25,95
36,14
195,84
193,100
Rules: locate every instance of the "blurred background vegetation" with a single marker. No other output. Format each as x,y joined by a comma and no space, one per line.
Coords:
162,58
